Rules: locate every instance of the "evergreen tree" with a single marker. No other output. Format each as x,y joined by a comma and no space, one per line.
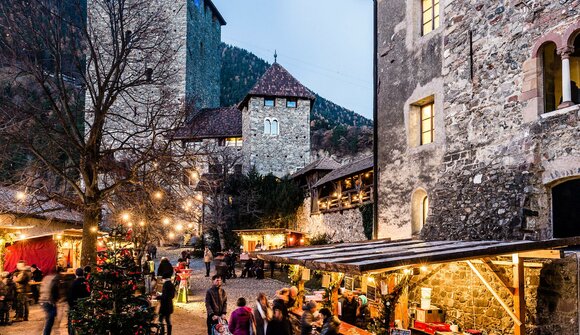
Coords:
113,307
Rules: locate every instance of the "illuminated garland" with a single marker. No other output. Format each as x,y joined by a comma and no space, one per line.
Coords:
381,324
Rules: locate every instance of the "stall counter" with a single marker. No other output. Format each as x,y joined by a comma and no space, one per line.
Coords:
345,328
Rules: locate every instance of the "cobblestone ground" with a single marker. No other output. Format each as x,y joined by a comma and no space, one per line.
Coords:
235,288
188,319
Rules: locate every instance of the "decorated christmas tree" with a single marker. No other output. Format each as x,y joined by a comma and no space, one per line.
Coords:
113,306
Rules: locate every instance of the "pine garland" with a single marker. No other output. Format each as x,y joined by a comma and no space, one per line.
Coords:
381,324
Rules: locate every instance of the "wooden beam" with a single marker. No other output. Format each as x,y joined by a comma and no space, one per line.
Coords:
495,295
498,274
519,295
547,254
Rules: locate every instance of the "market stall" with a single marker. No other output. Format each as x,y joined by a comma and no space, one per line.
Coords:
428,287
270,238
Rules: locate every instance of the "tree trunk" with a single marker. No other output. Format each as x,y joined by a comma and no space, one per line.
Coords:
221,236
91,216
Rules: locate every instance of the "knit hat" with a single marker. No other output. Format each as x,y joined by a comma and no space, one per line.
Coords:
363,299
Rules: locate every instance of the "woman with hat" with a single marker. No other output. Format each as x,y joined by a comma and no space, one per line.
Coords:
363,314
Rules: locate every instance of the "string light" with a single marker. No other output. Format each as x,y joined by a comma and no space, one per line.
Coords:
20,195
199,197
129,224
22,235
165,221
158,195
179,227
125,216
171,235
59,237
142,223
94,229
190,225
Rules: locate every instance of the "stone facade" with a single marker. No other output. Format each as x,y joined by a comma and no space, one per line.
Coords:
184,65
551,296
203,60
280,154
495,156
345,226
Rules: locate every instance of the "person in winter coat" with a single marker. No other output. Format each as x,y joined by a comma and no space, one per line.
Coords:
242,319
148,270
10,295
283,304
308,320
166,303
21,278
277,326
262,314
207,258
349,306
330,324
216,303
165,269
37,277
49,296
79,289
363,314
3,304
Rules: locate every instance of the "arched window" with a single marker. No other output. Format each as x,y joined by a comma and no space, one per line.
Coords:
275,127
425,210
419,210
267,127
552,77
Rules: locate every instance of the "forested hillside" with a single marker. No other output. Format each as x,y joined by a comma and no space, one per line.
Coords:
337,130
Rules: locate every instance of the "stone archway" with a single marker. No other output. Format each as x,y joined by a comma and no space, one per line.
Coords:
566,208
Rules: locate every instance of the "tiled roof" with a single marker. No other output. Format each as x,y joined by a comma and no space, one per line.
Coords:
212,123
325,163
347,170
34,207
278,82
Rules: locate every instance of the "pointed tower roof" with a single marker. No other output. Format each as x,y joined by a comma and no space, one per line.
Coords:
278,82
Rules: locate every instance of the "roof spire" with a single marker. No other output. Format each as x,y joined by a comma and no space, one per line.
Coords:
275,56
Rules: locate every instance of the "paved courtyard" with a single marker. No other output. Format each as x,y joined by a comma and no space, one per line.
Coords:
188,319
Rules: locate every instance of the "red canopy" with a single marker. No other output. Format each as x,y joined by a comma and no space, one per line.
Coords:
41,251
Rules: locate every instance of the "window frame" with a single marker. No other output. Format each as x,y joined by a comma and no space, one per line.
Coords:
275,131
431,129
435,17
268,123
273,100
292,100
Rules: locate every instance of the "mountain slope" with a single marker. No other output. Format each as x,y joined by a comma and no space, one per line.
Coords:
334,129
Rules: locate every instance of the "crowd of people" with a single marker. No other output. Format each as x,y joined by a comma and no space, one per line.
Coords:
28,285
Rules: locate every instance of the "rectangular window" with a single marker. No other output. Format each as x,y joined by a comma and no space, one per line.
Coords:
269,102
430,15
291,103
233,142
427,123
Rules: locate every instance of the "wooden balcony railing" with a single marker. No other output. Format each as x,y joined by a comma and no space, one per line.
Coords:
346,200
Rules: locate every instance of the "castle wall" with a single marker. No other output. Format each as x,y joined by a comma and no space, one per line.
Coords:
203,59
277,154
551,295
489,173
345,226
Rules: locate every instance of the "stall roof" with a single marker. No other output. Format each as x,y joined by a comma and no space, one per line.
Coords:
384,254
268,231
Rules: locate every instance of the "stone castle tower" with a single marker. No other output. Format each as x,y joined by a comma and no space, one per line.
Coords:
276,124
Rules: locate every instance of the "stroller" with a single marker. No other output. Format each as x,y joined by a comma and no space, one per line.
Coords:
221,328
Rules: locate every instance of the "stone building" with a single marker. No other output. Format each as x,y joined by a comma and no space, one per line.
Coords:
339,199
276,123
478,138
477,123
269,130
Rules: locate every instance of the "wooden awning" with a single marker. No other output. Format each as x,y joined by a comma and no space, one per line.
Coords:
384,255
265,231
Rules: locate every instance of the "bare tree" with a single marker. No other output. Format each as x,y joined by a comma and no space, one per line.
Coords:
221,163
87,97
